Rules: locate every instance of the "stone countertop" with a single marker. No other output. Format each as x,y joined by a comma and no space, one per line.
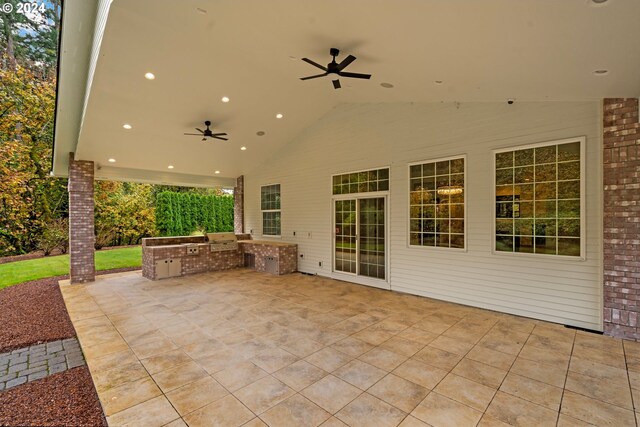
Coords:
178,245
266,243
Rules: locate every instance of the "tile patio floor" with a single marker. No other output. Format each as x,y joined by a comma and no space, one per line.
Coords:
246,348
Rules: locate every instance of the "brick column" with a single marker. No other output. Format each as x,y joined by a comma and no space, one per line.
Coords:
81,231
238,206
621,179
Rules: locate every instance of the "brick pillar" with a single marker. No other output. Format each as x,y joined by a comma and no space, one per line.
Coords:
238,206
81,231
621,179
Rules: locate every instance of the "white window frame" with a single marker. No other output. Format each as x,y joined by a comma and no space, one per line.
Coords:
464,195
583,235
262,211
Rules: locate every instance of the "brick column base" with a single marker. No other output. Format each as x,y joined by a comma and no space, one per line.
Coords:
82,267
621,176
238,206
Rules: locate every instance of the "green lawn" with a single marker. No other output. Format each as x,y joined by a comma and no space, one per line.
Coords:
32,269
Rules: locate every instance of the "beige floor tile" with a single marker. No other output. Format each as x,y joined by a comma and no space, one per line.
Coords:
195,395
235,337
127,395
331,393
368,411
179,376
328,359
165,361
360,374
106,379
153,348
548,343
237,376
176,423
418,335
300,375
595,411
256,422
333,422
439,358
614,392
420,373
155,412
263,394
225,412
220,360
373,337
274,359
479,372
104,349
550,357
402,346
505,342
567,421
201,349
302,347
452,345
399,392
383,359
519,412
491,357
411,421
546,373
352,346
533,391
189,337
598,370
294,412
465,391
112,360
433,326
489,421
439,411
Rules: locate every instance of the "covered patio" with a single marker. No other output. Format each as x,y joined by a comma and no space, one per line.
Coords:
240,347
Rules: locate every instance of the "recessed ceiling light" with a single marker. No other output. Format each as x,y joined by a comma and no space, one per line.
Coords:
386,85
126,126
225,99
149,76
217,172
112,160
601,72
599,1
260,133
170,166
279,116
438,82
243,148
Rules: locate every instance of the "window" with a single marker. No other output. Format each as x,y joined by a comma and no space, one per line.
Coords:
436,203
361,182
537,199
270,206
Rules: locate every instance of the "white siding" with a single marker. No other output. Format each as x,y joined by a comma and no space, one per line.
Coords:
365,136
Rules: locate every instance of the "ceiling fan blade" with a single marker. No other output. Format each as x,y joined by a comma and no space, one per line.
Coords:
313,77
200,130
218,134
219,137
336,84
195,134
345,62
355,75
315,64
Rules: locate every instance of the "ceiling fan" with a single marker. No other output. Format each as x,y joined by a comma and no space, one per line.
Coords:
208,134
334,68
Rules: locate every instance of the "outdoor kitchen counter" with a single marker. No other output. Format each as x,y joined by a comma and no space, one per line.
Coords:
171,257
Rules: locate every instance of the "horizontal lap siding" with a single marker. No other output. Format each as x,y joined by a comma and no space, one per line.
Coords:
364,136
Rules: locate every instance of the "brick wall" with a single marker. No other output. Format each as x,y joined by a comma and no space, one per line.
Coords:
621,178
238,206
81,222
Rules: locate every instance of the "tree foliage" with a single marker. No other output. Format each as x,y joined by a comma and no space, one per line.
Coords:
182,213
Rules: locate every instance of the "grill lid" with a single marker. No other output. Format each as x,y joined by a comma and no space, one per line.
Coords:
222,237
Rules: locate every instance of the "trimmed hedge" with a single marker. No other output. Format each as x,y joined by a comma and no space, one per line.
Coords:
180,214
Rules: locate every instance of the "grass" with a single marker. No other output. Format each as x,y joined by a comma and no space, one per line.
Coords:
22,271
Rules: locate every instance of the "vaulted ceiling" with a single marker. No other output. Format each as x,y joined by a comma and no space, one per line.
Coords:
250,51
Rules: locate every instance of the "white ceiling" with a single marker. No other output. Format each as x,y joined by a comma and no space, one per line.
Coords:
250,50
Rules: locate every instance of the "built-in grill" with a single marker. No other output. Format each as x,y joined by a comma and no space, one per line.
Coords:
223,242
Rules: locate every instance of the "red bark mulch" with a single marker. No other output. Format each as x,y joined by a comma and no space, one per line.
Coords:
64,399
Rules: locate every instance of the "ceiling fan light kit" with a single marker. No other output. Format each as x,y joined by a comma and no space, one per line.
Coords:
207,133
335,68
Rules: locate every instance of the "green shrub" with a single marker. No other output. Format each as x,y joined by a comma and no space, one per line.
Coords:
181,214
